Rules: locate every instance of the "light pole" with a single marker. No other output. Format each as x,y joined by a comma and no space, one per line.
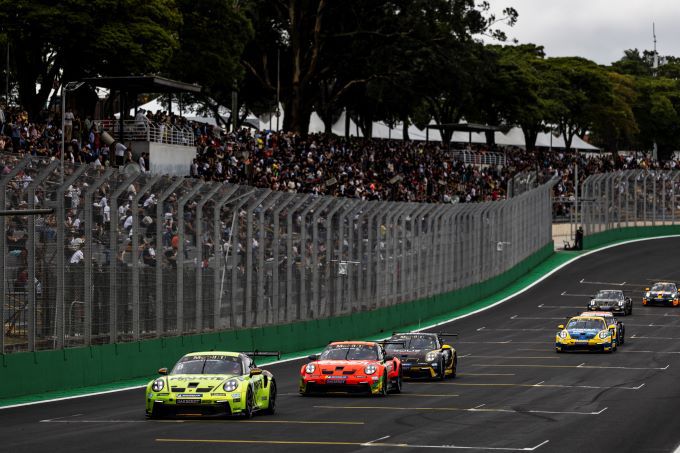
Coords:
69,86
278,86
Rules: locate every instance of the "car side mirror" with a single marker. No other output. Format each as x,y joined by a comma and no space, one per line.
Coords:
561,326
388,358
646,289
612,327
255,371
313,357
445,347
163,371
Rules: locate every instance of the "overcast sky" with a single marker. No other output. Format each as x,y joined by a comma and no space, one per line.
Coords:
599,30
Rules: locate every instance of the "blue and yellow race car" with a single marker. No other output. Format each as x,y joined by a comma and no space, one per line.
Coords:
213,383
586,333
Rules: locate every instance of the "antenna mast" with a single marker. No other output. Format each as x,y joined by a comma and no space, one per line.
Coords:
655,65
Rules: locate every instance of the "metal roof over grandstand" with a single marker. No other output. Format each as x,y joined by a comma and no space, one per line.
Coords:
144,84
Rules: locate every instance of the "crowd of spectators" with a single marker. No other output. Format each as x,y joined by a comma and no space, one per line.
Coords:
375,169
370,169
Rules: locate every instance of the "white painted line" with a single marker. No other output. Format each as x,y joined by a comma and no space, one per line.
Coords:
461,409
566,294
583,281
651,324
480,329
556,318
420,329
576,307
628,351
519,330
591,367
376,440
653,338
553,357
542,384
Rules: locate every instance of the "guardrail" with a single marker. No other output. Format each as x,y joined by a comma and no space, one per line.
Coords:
150,131
126,257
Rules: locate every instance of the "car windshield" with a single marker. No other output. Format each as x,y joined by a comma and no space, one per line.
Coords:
586,324
666,287
610,294
412,342
350,352
204,364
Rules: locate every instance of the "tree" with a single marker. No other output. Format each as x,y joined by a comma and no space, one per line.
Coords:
55,42
577,89
212,39
614,125
657,112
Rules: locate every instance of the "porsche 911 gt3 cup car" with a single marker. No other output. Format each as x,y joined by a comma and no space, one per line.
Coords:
424,354
213,383
352,367
613,300
662,293
609,318
586,333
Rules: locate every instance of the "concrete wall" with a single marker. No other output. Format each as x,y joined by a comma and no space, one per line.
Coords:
38,372
621,234
165,159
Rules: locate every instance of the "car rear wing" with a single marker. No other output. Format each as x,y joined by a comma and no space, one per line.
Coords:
442,334
400,343
257,353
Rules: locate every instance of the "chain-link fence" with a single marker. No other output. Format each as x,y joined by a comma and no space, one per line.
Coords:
630,198
132,256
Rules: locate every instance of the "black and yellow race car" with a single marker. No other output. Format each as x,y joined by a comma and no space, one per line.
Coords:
424,355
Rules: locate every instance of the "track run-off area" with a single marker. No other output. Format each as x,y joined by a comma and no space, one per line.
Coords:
513,392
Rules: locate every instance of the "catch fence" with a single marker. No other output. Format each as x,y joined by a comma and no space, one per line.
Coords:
126,257
630,198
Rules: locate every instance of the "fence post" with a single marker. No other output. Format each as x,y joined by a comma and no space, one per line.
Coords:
181,244
220,255
314,305
59,309
261,312
248,318
30,284
174,184
136,324
276,266
201,256
4,181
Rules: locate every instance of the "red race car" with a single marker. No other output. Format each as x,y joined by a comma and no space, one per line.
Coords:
352,367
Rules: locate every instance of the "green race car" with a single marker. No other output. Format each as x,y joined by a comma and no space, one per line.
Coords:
213,383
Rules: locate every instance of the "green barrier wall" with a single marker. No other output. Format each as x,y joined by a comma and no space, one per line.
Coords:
44,371
620,234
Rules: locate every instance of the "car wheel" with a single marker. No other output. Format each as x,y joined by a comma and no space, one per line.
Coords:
250,406
271,408
396,385
442,369
383,390
454,367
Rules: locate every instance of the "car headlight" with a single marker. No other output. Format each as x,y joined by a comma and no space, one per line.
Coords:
431,356
370,369
647,294
158,385
563,334
230,385
674,295
592,302
310,368
604,334
620,303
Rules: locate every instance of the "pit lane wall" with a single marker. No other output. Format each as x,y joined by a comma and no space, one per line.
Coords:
30,373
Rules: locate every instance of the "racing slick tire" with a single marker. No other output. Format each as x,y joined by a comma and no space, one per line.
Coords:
442,369
454,366
383,390
250,406
623,338
271,408
630,310
396,385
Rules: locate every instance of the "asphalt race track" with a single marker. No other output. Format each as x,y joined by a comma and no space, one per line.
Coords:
514,393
